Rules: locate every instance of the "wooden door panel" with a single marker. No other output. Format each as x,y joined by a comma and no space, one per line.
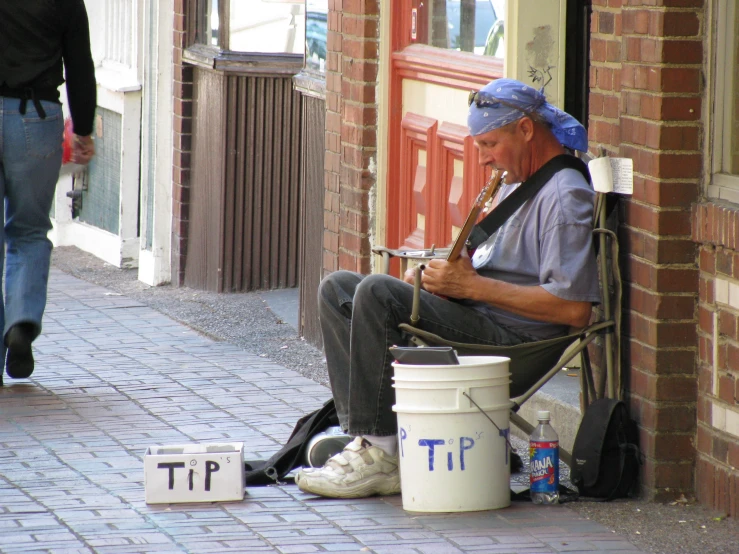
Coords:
457,180
439,179
418,135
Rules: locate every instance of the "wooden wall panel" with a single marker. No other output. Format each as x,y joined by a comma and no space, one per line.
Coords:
264,158
205,255
244,229
311,217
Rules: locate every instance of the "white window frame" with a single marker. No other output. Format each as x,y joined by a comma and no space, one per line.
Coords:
121,46
115,32
724,185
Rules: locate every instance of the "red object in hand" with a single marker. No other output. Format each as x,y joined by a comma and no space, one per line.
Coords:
67,141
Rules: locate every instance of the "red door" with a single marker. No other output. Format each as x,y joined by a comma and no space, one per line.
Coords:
433,173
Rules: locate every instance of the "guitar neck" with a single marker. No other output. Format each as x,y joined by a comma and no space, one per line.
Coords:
490,189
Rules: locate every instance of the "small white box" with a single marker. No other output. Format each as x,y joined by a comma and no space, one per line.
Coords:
194,473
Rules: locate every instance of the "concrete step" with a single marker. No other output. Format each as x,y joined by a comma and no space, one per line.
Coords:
561,397
565,418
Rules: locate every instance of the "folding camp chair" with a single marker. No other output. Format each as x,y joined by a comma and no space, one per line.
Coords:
533,364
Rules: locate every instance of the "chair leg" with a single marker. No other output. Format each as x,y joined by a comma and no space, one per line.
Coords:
415,341
584,392
415,316
587,375
521,423
609,387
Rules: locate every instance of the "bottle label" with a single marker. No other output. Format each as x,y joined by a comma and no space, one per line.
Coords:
544,470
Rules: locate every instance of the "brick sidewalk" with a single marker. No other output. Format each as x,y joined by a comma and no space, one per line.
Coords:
114,377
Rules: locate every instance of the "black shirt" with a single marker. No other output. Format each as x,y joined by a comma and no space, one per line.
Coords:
36,37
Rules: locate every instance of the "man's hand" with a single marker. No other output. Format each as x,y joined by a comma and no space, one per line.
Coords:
452,279
410,275
83,149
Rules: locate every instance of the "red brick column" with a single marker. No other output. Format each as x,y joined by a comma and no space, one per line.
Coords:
351,131
716,228
182,135
646,105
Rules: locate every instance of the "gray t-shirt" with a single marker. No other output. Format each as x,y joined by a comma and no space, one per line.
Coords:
547,242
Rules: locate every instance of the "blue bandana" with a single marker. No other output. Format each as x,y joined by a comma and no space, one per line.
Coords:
504,101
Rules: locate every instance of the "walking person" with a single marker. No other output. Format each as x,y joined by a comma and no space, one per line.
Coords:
42,44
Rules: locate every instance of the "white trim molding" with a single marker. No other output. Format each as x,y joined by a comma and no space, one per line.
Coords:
723,181
535,45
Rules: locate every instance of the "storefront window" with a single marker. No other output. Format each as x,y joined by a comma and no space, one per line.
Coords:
276,26
262,26
316,24
206,31
474,26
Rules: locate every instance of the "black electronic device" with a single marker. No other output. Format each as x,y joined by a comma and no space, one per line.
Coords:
425,355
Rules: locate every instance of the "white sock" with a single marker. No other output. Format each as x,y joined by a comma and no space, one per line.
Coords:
389,443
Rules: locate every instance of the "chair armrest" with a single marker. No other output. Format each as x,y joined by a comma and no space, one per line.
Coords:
404,255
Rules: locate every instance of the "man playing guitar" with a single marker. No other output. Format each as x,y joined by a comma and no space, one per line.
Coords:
531,280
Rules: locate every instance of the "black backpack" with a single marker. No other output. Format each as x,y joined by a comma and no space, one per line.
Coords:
606,457
290,456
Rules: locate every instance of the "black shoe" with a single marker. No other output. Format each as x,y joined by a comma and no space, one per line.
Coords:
19,359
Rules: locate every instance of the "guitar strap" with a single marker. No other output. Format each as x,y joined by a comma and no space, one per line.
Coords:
528,189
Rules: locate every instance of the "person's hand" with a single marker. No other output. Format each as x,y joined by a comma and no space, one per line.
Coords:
451,279
83,149
410,276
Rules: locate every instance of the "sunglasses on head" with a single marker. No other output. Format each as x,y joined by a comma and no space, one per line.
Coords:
484,100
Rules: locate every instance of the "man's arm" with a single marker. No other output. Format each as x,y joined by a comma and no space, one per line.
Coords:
80,76
460,280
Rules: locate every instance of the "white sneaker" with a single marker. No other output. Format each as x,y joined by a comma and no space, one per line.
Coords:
360,470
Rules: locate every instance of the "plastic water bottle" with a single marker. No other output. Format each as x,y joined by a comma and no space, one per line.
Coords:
544,462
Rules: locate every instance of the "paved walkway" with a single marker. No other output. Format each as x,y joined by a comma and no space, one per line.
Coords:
114,377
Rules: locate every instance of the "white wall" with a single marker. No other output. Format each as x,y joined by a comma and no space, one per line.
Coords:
138,85
156,155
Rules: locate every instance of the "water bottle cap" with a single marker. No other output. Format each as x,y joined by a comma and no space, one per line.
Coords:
543,414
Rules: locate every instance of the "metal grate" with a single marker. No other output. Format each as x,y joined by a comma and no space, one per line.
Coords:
100,205
261,232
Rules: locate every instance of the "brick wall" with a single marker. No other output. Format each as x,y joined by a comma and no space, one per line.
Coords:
351,132
182,126
646,102
716,229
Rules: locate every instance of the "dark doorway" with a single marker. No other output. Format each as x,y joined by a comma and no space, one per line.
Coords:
577,61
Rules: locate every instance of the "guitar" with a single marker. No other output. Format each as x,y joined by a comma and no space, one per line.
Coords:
488,192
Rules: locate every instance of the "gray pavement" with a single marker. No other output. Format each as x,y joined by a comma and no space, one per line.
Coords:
115,376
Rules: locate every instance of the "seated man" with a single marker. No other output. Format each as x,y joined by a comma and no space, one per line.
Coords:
532,280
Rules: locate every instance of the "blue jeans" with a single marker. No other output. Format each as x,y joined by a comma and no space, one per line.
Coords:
359,319
30,159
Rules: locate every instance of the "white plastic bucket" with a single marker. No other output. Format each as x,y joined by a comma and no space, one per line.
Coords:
452,458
